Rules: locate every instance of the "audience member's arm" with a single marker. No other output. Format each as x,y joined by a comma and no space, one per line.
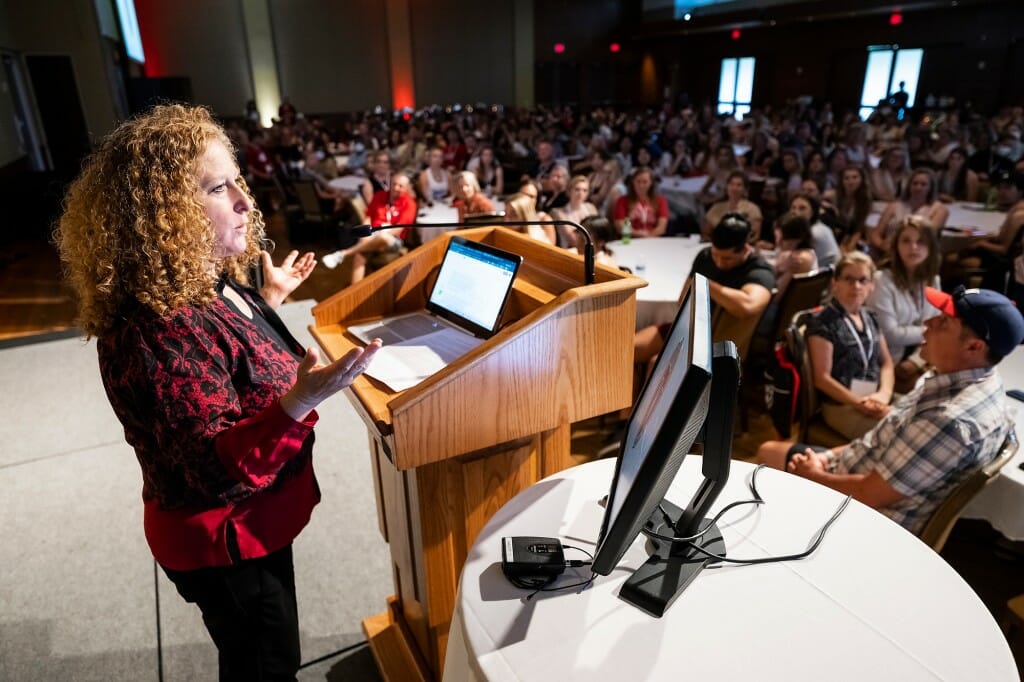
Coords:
499,181
821,369
938,215
367,191
745,302
870,488
876,234
1000,244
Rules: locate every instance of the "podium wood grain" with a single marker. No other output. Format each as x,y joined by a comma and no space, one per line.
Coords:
450,451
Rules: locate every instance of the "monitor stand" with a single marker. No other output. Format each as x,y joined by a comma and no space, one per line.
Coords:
671,567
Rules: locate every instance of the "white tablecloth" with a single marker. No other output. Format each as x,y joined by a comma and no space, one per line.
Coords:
664,262
441,212
962,216
873,603
675,184
347,183
1001,502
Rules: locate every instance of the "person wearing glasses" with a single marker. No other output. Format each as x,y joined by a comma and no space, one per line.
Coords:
949,426
850,360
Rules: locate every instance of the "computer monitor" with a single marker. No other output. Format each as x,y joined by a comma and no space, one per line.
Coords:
691,390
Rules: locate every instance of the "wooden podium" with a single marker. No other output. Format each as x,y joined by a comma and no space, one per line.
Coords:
450,451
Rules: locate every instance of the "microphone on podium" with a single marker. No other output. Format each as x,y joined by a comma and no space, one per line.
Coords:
360,231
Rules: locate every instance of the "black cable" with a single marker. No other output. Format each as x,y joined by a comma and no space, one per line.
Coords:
817,538
711,523
159,634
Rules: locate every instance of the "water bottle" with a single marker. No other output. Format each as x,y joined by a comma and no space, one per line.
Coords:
627,231
990,199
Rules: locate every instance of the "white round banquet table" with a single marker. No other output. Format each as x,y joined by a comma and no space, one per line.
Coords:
873,602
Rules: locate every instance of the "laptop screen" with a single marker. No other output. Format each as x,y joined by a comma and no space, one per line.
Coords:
473,284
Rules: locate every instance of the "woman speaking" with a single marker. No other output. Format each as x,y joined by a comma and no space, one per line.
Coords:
215,395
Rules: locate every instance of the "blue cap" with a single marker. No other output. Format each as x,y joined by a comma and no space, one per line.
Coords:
990,315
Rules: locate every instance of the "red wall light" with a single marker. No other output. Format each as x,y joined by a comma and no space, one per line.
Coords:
559,48
614,47
895,19
735,34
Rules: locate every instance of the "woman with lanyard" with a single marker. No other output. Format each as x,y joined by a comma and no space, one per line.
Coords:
850,361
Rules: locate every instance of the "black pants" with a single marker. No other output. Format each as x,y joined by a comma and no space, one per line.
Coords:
250,612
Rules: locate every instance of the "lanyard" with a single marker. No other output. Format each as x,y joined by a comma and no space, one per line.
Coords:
856,337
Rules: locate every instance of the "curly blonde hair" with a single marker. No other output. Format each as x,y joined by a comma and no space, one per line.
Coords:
134,231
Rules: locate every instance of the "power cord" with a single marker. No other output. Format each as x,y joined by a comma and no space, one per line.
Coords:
816,540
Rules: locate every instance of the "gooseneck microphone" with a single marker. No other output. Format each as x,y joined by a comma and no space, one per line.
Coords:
588,249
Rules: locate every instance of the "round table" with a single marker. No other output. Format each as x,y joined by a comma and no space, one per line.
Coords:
873,603
665,263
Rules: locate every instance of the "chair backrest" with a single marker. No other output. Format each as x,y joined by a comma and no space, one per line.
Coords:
807,395
727,327
940,523
308,200
805,290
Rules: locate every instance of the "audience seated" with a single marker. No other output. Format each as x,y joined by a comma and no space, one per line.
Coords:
793,252
434,182
469,199
554,192
646,210
952,424
823,241
489,173
848,206
850,360
393,206
740,281
892,174
898,299
522,207
920,198
380,175
577,210
734,201
957,182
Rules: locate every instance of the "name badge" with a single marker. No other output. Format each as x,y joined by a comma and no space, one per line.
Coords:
861,388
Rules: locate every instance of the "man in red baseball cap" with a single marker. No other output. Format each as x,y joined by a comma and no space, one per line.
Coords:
951,424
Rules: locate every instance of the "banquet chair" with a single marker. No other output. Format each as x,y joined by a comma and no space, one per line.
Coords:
806,290
726,327
940,523
813,429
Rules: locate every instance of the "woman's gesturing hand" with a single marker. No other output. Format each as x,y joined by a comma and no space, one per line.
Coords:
280,281
314,383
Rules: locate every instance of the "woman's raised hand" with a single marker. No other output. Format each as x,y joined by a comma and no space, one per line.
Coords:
280,281
314,383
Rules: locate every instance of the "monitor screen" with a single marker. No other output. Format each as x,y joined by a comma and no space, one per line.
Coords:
662,428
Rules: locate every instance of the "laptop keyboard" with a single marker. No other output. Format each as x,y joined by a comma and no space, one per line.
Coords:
403,328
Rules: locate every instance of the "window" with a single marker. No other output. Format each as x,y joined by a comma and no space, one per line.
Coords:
735,86
888,66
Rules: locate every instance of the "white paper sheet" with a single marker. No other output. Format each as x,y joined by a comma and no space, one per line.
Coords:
405,364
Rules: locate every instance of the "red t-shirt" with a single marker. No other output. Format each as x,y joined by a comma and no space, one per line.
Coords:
401,211
642,216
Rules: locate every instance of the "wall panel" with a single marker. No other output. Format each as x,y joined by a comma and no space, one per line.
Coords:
463,51
203,40
332,56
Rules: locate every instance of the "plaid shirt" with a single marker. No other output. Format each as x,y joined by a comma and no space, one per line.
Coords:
931,440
